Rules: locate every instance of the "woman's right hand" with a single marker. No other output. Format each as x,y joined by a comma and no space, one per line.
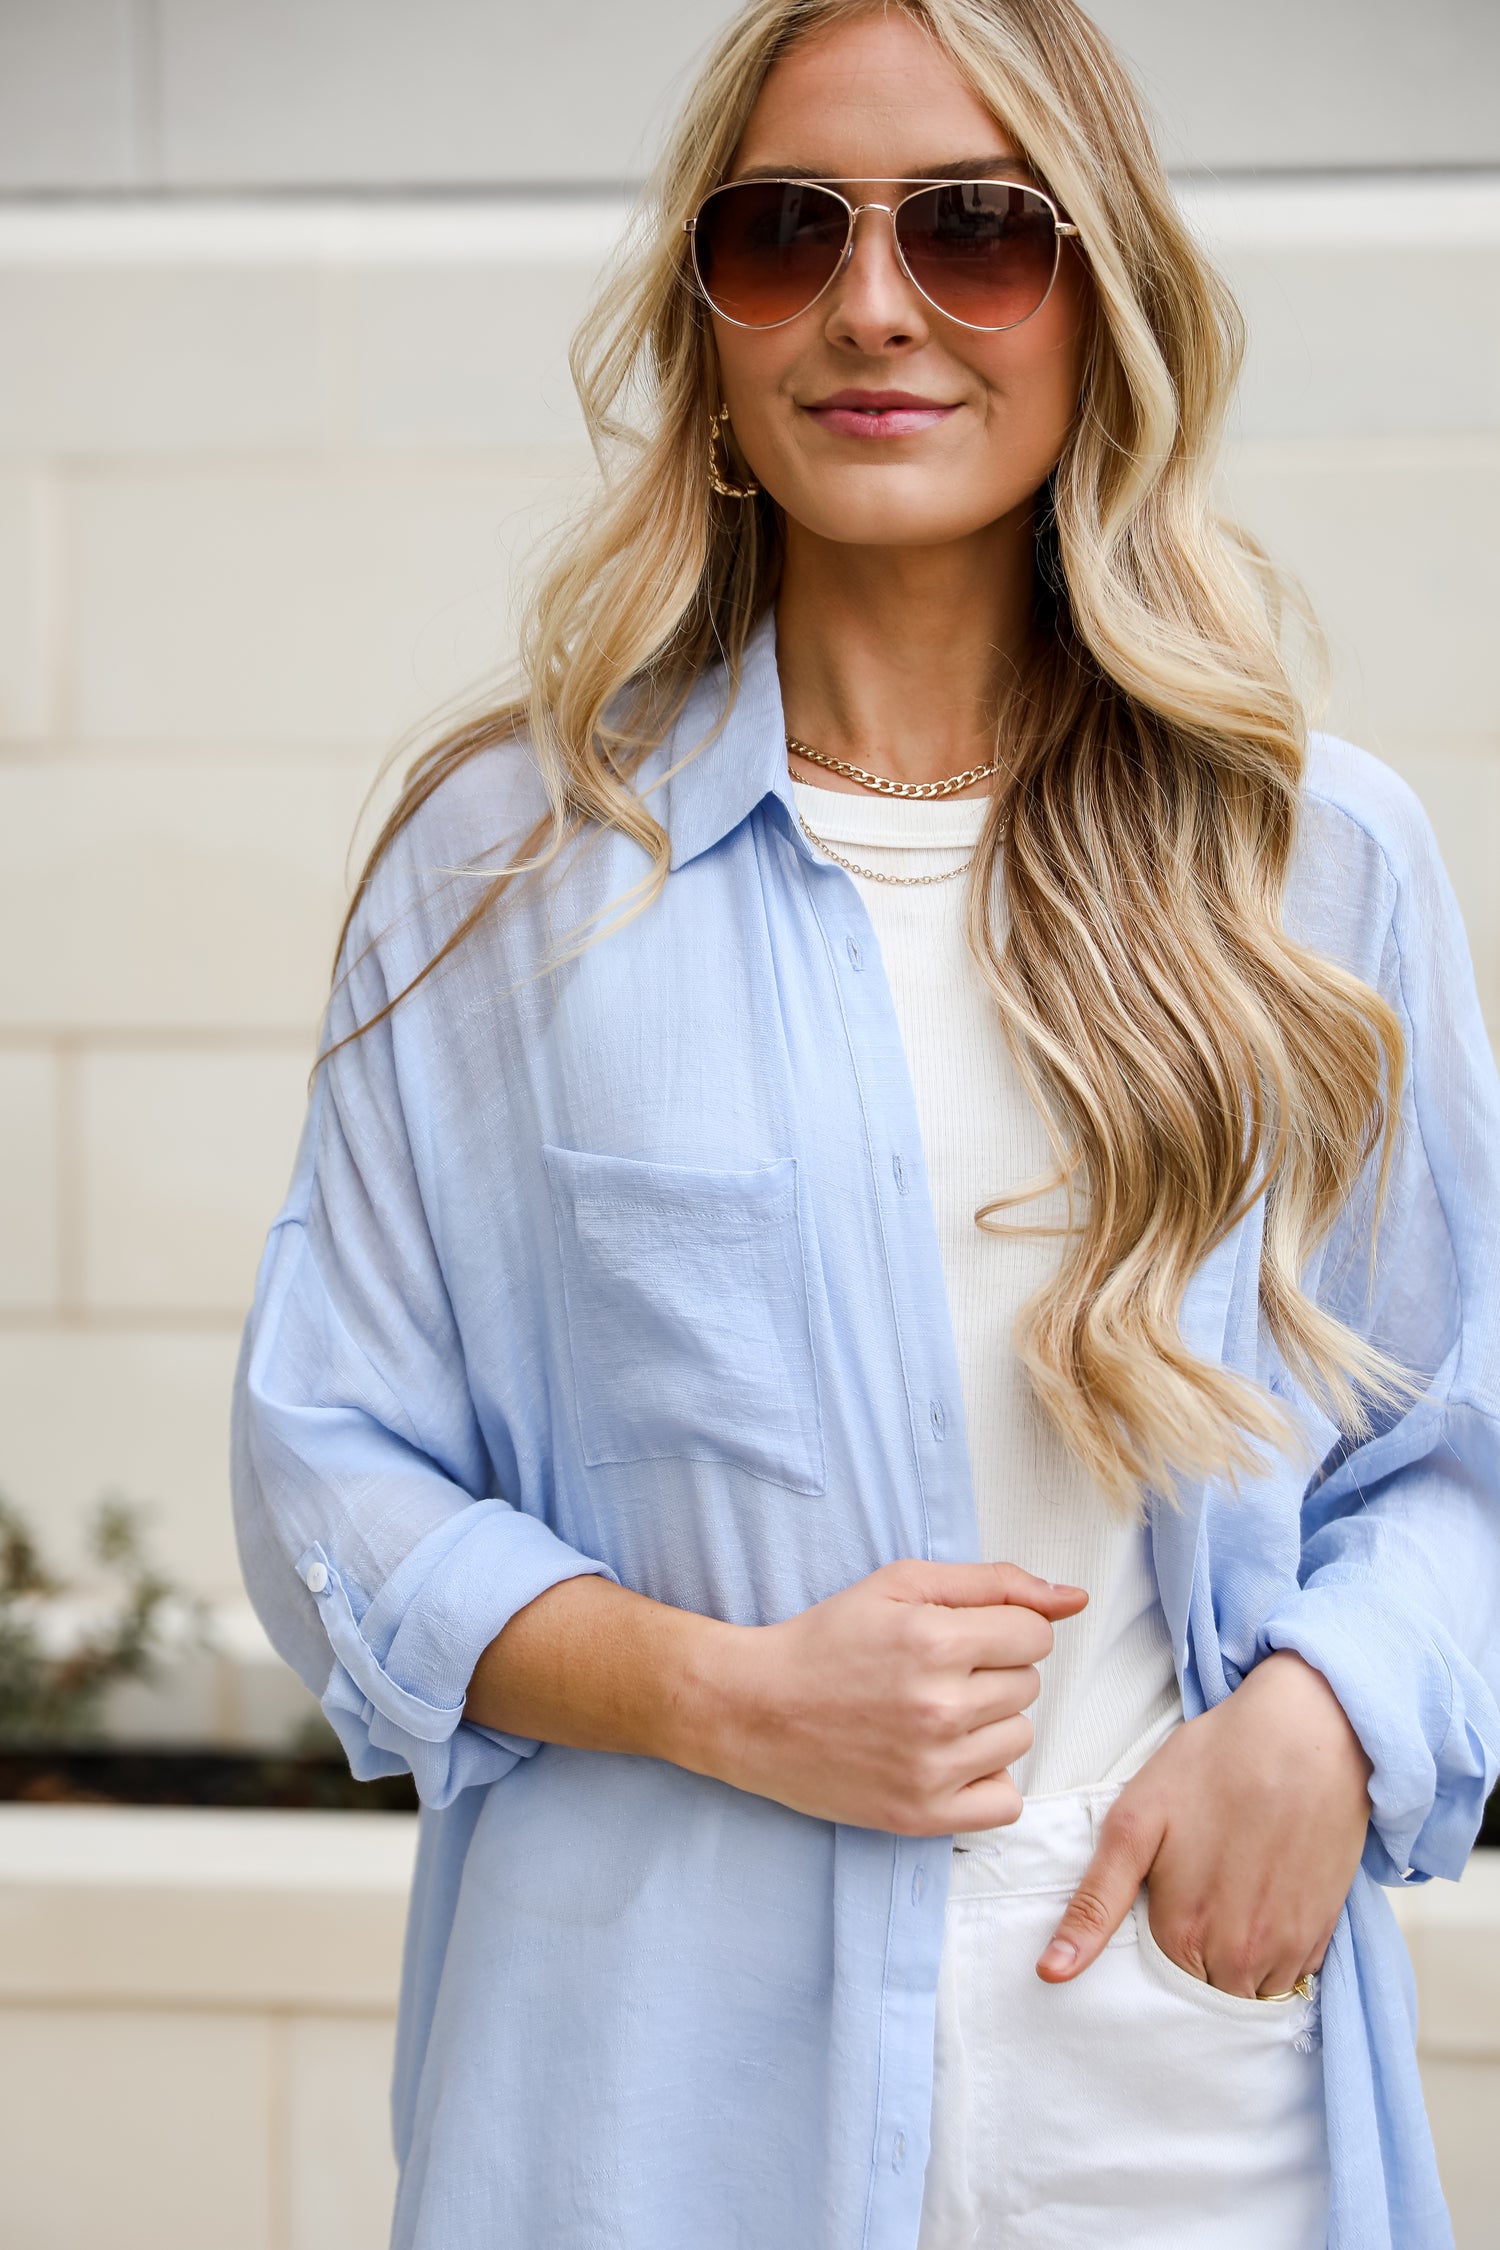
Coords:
897,1703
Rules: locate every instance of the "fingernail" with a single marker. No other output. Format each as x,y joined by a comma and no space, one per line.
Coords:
1060,1954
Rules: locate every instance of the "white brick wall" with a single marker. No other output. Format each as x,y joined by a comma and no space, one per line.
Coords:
29,1183
27,675
186,94
216,874
306,603
134,1404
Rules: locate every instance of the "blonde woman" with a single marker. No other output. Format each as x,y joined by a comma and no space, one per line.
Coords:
880,1367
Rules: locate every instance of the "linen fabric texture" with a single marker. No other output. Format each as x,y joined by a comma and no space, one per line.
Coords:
641,2008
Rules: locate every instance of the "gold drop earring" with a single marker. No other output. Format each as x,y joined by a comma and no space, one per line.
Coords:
716,476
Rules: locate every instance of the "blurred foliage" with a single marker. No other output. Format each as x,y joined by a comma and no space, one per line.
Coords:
50,1693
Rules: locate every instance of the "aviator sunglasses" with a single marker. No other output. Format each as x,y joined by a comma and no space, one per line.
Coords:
983,252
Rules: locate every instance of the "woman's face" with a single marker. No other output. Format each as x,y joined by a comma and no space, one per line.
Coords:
866,103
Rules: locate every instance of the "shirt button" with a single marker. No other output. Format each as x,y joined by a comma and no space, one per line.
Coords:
317,1577
856,952
899,1169
898,2151
939,1419
918,1886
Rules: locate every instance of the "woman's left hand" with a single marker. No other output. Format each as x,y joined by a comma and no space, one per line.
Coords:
1248,1825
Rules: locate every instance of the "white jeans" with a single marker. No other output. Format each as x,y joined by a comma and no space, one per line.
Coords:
1134,2109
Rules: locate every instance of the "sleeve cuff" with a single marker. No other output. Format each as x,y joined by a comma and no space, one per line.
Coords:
403,1662
1410,1700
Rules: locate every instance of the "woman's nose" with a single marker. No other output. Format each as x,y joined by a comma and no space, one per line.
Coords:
874,304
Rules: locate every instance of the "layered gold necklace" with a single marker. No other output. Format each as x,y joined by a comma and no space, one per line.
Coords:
883,786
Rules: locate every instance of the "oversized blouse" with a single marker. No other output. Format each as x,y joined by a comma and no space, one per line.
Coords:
619,1257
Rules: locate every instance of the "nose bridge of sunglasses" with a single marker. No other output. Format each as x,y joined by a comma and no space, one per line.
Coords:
895,257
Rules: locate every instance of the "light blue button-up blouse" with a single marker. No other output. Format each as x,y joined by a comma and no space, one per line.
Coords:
628,1265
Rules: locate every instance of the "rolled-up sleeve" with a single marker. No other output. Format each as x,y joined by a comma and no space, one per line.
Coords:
1399,1605
376,1543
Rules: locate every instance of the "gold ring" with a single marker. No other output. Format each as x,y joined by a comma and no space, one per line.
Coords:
1301,1990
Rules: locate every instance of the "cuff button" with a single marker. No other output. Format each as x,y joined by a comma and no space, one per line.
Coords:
317,1577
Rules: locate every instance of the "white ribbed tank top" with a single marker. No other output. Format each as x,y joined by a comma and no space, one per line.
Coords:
1109,1694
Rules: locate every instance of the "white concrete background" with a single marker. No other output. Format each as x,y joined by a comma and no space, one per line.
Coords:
194,94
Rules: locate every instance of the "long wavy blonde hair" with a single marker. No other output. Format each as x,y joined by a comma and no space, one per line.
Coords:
1187,1055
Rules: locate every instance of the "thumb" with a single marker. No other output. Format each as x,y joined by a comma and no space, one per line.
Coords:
1103,1898
984,1584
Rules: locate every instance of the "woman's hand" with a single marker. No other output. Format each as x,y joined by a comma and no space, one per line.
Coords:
897,1703
1248,1825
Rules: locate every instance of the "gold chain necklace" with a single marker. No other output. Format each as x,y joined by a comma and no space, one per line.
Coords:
881,784
875,874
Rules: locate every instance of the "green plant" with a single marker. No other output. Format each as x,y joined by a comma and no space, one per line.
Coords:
52,1685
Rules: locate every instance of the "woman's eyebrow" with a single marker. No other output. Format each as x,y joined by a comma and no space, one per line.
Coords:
966,168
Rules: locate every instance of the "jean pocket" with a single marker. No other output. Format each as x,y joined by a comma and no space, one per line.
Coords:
1277,2017
687,1310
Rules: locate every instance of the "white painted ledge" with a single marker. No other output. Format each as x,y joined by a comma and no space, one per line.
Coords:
227,1910
232,231
240,1969
1427,212
1418,211
305,1910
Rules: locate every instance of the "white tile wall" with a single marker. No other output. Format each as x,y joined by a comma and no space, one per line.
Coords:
139,1410
308,91
26,644
446,354
302,604
195,93
1458,781
29,1216
103,356
1360,340
184,1157
173,892
67,94
177,2111
338,2082
1395,541
1340,83
1463,2102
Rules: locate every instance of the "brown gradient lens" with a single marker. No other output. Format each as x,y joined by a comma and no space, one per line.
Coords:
765,248
985,253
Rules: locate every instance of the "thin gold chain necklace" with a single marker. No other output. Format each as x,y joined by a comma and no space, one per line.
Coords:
881,784
874,874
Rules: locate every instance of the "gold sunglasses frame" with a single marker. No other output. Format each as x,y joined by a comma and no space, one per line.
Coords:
1060,227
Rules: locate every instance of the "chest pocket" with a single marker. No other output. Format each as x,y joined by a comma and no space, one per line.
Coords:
686,1297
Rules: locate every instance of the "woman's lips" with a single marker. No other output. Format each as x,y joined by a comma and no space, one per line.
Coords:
895,418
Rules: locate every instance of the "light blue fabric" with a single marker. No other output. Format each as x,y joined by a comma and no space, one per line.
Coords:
629,1265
